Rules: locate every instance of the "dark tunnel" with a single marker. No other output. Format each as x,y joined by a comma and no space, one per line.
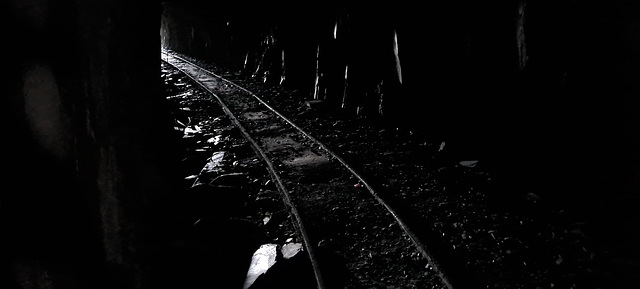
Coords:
547,93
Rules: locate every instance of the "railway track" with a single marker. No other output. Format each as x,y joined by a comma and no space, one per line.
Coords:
325,196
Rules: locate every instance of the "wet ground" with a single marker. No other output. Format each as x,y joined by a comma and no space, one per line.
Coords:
229,214
488,228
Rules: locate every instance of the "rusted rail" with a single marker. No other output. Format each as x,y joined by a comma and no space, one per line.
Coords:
291,156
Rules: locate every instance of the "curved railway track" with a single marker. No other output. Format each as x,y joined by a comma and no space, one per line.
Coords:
325,196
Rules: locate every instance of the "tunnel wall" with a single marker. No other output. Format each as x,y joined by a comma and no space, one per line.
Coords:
85,139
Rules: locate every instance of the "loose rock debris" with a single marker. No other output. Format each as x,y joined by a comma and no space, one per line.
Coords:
527,246
228,195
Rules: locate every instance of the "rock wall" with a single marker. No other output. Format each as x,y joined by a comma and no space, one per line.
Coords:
85,135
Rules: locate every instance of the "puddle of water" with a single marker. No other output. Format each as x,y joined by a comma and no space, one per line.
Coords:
256,115
468,164
261,261
265,257
214,163
307,158
291,249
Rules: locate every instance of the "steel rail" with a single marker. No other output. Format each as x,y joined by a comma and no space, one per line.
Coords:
420,246
272,171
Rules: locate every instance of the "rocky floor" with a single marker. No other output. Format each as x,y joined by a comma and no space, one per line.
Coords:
488,229
228,209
